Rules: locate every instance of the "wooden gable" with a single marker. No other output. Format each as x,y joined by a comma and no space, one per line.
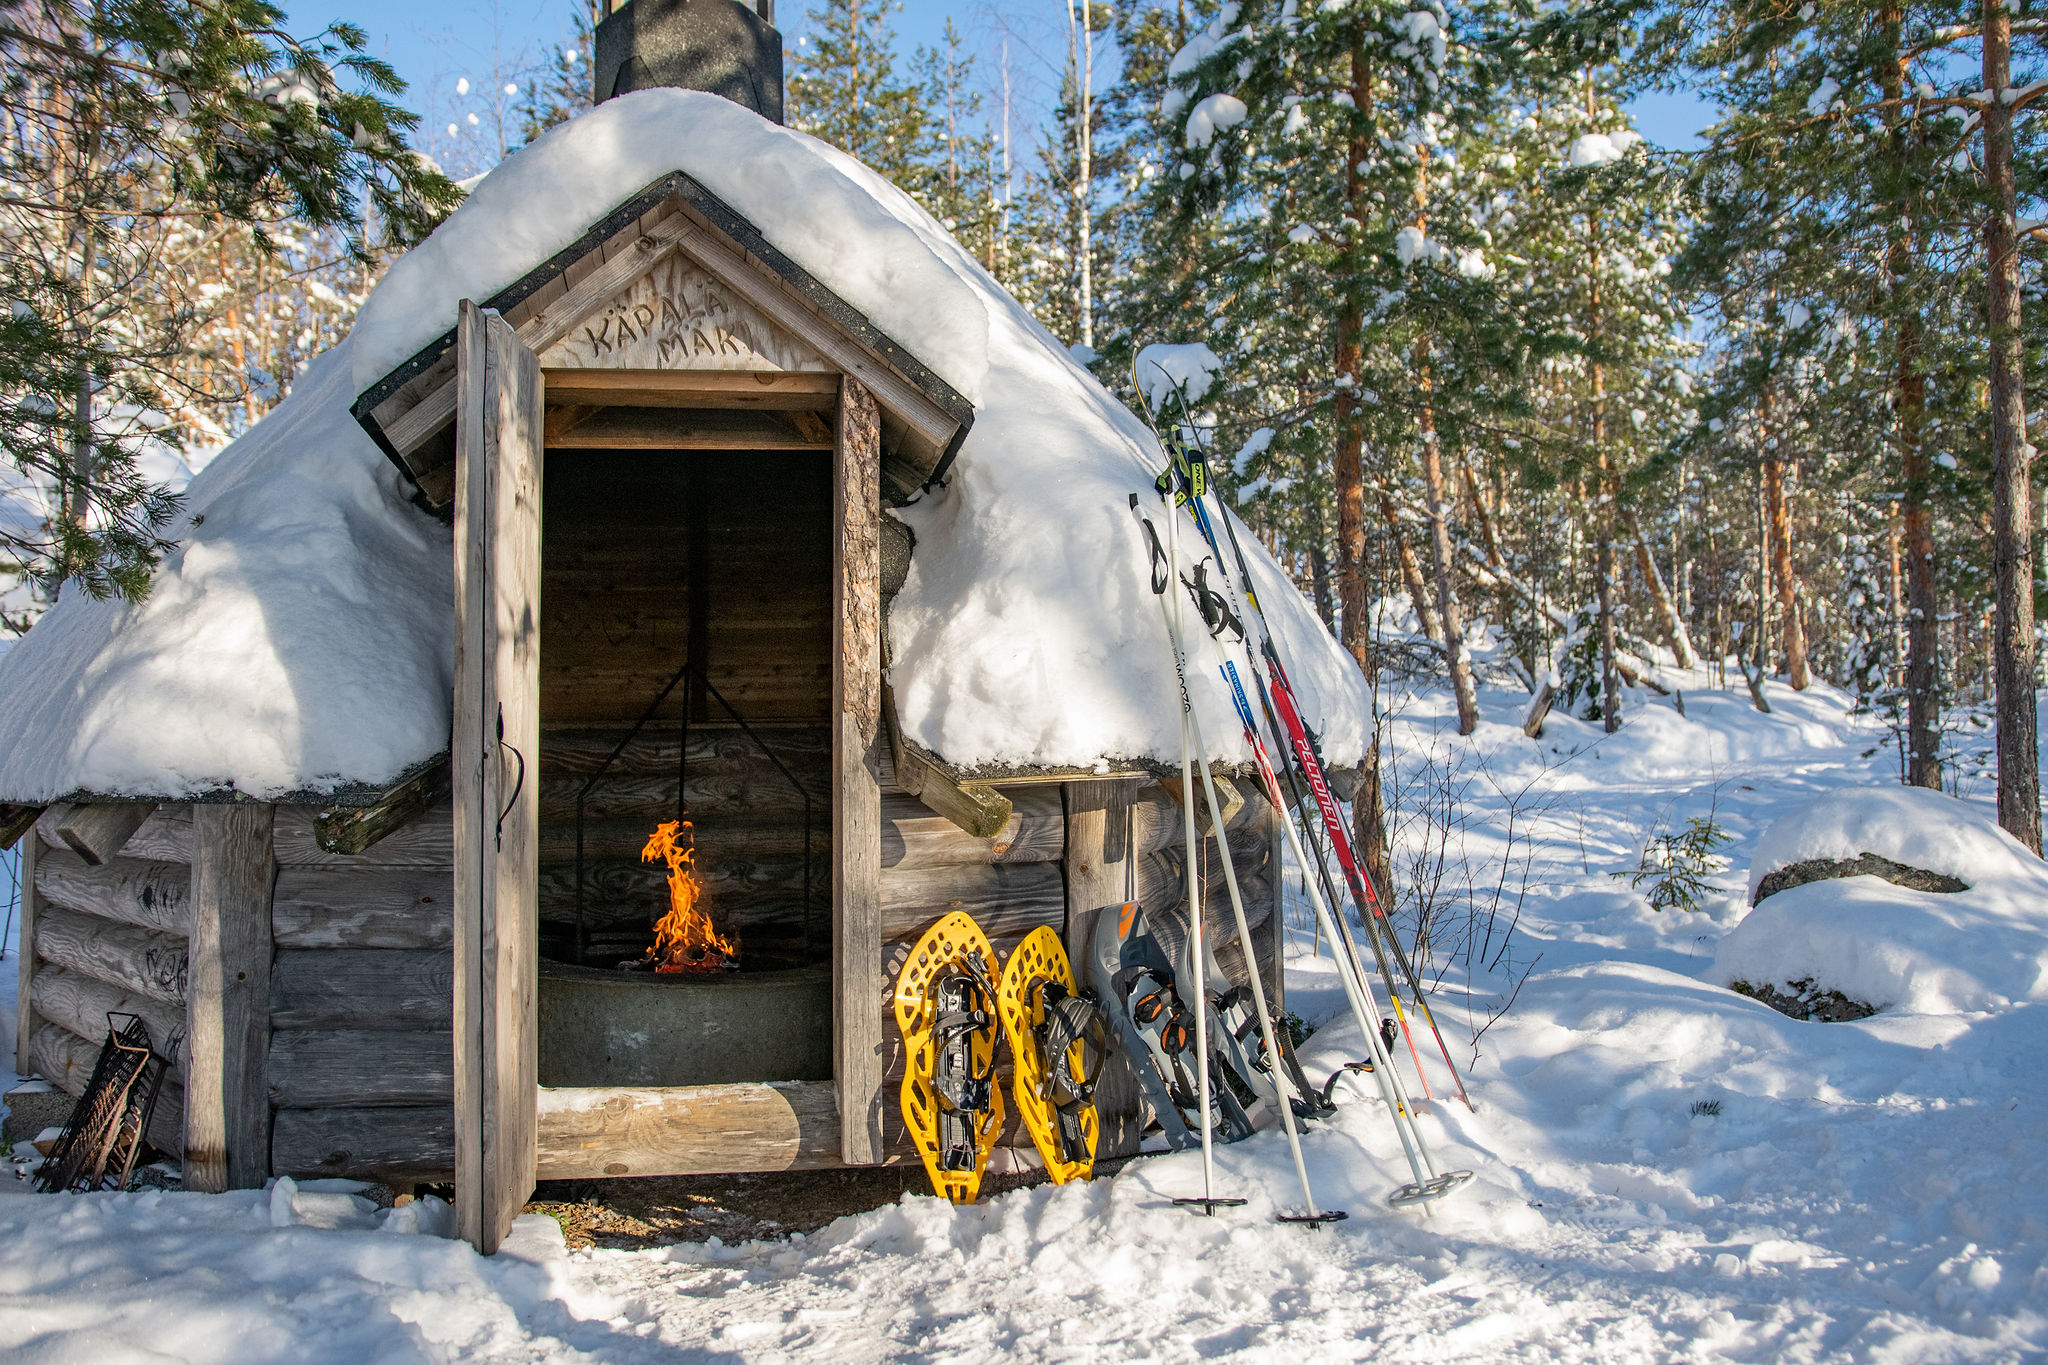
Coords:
671,285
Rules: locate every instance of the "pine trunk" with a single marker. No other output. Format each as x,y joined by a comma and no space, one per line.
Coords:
1411,574
1441,554
2019,783
1610,681
1909,402
1789,624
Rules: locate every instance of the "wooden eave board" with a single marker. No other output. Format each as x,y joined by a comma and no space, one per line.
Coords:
925,419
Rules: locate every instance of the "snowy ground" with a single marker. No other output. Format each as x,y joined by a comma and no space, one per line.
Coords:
1867,1191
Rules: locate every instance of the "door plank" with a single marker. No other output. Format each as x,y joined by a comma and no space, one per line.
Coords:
496,771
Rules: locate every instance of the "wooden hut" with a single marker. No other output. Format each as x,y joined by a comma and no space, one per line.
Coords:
379,905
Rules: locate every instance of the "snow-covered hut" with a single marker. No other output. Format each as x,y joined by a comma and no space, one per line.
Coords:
689,469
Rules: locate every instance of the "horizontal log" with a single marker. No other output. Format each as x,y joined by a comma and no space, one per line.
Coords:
151,895
352,1068
1004,898
915,837
426,840
97,830
362,988
165,837
81,1004
374,1144
714,749
759,797
66,1061
596,1132
345,907
145,960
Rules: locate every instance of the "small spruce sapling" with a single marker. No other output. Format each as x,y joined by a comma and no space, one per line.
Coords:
1678,866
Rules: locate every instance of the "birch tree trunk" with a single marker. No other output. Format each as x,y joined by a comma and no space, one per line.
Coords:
2019,781
1610,681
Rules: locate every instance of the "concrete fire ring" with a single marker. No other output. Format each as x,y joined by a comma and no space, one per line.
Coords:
640,1028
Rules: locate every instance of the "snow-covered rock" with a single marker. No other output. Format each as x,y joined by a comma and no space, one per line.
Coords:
1917,952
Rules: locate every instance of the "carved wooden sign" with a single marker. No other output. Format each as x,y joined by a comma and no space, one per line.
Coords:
676,317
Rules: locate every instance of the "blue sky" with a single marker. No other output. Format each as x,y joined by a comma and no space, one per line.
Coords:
435,44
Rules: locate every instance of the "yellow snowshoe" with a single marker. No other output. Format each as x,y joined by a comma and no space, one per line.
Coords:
1057,1044
946,1007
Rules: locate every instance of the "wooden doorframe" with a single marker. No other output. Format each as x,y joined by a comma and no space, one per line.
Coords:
858,986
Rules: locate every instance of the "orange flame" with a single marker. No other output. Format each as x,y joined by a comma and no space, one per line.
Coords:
685,940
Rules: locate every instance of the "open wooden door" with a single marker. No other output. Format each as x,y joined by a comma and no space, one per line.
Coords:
496,757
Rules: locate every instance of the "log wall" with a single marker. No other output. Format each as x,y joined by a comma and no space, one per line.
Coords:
358,1073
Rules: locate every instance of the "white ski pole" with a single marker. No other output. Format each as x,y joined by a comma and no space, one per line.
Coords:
1316,1216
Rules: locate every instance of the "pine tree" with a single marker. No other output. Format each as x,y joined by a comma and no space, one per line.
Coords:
130,124
960,188
559,87
845,89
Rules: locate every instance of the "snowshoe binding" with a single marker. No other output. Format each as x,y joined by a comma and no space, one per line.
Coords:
1239,1058
1058,1041
1138,976
946,1007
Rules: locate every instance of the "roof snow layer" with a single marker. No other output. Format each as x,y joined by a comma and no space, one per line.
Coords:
300,638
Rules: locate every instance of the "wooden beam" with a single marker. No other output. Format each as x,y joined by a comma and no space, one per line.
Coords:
857,790
227,1113
25,966
746,390
119,954
648,428
16,821
599,1132
97,831
351,830
981,811
562,420
1226,791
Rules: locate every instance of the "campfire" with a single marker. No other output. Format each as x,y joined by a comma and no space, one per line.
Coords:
685,940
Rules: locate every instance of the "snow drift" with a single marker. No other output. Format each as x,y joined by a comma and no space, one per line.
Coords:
1917,952
300,638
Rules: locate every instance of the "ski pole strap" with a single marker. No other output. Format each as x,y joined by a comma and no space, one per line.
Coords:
1160,574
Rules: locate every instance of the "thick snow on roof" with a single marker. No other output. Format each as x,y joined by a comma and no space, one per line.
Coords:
297,639
300,638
